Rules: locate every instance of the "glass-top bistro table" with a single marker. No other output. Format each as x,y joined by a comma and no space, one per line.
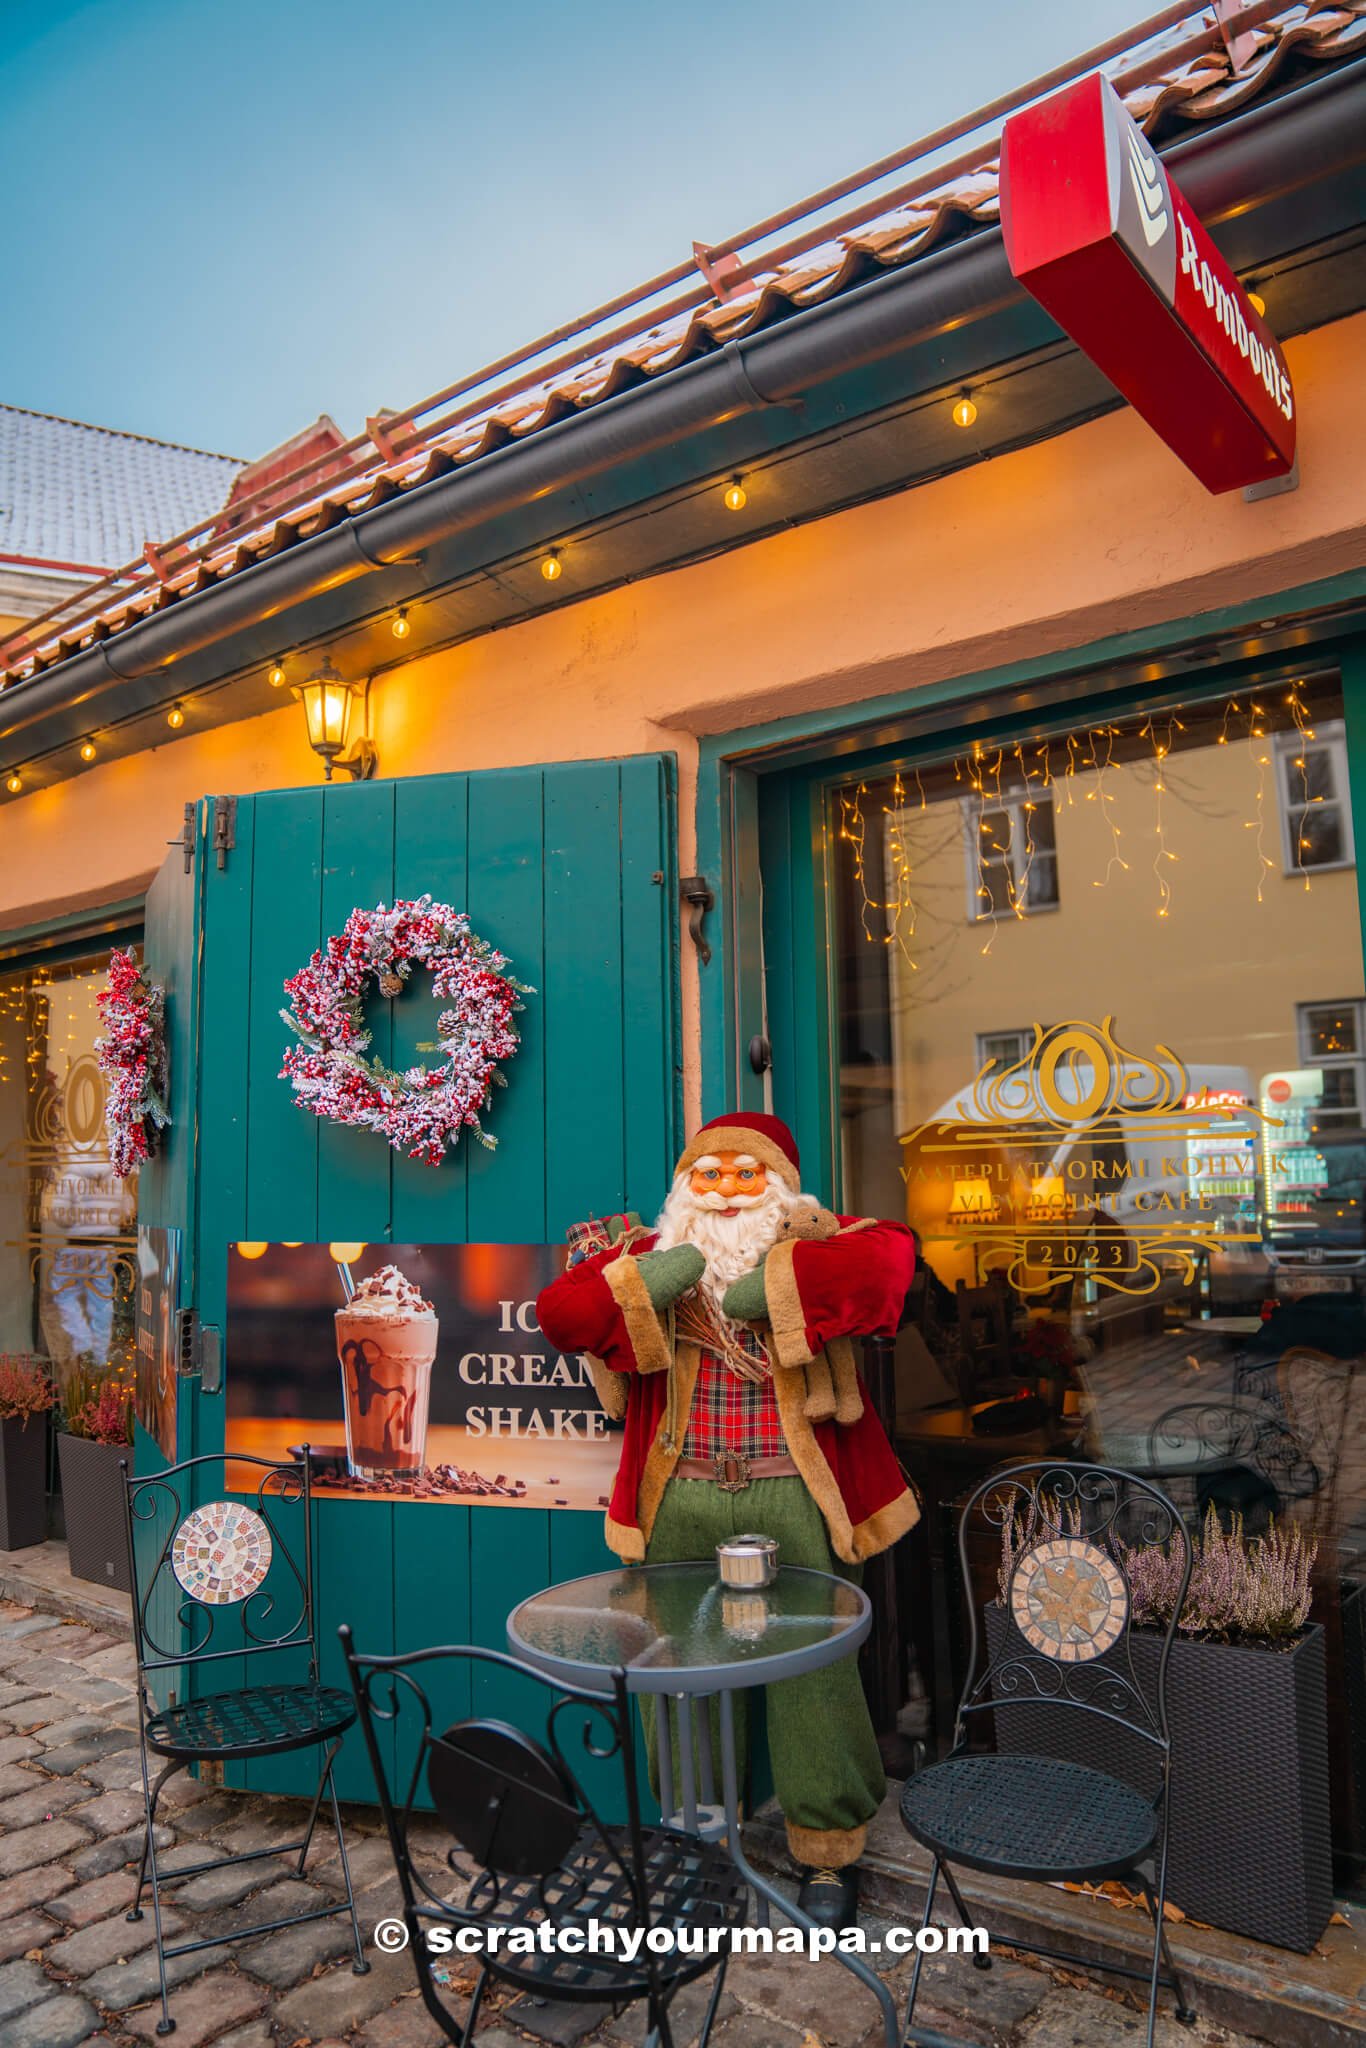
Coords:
679,1634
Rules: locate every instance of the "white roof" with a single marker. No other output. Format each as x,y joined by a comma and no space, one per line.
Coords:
88,497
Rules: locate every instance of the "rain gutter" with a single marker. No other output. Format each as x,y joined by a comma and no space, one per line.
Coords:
1307,136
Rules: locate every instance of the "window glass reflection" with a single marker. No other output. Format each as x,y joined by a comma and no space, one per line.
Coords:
1128,1133
67,1224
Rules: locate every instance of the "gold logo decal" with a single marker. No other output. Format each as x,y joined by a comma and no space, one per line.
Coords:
1086,1158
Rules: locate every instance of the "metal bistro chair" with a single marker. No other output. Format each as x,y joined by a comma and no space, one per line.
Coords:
228,1556
536,1851
1242,1457
1061,1647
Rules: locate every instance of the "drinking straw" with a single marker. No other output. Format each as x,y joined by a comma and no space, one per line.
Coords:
344,1275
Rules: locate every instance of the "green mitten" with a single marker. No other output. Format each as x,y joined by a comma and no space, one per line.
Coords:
671,1273
745,1300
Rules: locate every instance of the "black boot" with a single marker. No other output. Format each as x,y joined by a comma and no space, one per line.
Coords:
830,1897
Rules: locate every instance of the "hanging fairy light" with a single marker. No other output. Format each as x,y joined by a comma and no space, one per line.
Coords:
401,626
897,910
964,411
175,717
1304,733
902,915
1161,749
276,674
737,497
999,791
1105,797
1256,734
551,566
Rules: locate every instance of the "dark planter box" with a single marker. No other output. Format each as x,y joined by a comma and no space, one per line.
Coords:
23,1482
96,1519
1250,1832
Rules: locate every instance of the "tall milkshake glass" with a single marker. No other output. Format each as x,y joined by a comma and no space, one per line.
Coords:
386,1344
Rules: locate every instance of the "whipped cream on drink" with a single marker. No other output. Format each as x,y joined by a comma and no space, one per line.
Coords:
387,1293
386,1344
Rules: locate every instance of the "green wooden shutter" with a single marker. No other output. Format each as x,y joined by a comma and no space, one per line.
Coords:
570,870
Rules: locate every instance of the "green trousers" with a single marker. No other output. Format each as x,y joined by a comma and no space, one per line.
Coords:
827,1771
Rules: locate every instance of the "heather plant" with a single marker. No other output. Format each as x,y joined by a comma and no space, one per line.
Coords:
1254,1590
1021,1529
26,1387
98,1404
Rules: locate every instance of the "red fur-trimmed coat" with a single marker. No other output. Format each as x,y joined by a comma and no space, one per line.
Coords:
821,1294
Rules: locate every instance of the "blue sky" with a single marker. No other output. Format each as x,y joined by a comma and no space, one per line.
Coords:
222,217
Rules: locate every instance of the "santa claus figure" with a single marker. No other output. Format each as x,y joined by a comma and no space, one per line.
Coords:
723,1338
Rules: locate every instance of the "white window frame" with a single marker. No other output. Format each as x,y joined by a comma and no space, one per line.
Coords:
1013,801
1356,1060
1024,1035
1331,737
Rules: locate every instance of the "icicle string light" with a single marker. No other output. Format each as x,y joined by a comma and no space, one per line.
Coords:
897,909
1102,793
1161,749
1004,785
1304,734
1261,760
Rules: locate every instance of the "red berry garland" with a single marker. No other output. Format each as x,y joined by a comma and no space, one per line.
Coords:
423,1110
132,1057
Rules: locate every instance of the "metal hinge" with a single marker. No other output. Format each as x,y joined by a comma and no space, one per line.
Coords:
184,839
224,827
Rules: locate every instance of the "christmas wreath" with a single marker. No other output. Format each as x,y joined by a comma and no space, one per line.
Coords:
132,1058
422,1110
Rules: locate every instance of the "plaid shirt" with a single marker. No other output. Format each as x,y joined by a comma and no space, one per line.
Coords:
731,1414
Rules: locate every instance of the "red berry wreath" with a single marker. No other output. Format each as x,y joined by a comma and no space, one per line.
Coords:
423,1110
132,1057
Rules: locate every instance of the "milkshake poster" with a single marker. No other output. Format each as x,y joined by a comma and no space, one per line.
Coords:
413,1373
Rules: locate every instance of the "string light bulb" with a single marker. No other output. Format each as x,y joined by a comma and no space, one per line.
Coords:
277,675
401,627
551,566
14,782
175,718
1257,303
87,750
736,495
964,412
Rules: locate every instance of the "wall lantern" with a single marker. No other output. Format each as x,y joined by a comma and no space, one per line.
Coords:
329,701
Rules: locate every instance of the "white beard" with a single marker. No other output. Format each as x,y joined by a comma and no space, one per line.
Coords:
731,1245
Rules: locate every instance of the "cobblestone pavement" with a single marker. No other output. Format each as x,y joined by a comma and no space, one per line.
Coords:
73,1969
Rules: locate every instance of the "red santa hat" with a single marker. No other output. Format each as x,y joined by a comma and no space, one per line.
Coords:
766,1139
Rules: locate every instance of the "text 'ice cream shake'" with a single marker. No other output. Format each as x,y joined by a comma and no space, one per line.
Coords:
386,1342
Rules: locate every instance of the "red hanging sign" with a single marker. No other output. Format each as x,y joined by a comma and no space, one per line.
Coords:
1096,230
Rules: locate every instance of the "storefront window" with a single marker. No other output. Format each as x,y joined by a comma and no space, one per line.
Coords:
67,1225
1115,1086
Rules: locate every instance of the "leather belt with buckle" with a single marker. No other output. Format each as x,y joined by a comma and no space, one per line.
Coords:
732,1471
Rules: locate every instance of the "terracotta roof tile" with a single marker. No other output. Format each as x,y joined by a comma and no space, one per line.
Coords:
1198,90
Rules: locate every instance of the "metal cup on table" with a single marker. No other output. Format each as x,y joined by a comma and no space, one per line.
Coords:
747,1561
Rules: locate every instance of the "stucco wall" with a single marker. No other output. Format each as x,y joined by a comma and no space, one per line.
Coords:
1097,532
